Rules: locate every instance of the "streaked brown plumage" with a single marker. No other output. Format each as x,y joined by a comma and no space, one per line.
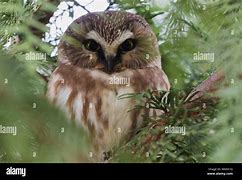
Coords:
97,49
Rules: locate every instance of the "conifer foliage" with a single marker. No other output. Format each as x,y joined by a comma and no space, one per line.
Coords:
197,38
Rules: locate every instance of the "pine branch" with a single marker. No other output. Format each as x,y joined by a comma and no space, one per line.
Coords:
207,86
42,15
179,110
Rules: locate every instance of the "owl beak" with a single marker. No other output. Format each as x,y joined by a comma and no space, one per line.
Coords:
110,59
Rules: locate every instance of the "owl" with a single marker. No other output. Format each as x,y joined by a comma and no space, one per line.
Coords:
101,56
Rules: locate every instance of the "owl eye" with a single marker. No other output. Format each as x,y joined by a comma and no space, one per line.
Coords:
91,45
127,45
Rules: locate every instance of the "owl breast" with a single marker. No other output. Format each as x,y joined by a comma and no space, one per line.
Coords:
90,98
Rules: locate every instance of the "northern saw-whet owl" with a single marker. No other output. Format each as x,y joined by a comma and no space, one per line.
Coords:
101,56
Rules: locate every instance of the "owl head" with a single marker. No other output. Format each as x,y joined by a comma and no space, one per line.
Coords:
109,41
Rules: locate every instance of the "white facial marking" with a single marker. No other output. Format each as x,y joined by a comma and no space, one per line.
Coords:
125,35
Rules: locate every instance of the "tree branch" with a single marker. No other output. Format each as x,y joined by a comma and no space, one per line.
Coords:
207,86
111,2
83,7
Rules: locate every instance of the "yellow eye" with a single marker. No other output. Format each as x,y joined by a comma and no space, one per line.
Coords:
127,45
91,45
